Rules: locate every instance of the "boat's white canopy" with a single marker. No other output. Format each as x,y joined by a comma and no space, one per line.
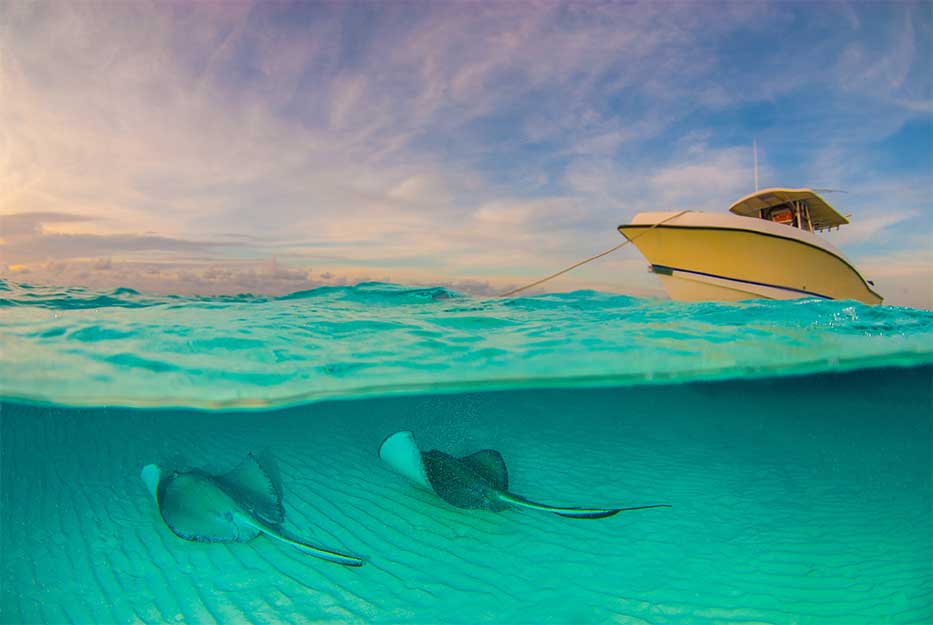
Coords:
822,215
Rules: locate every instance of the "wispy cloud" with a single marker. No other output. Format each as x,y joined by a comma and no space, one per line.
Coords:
26,240
27,225
445,142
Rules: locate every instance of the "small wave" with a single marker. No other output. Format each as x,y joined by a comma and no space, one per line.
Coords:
79,346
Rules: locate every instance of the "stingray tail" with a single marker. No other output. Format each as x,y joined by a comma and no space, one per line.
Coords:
573,513
318,552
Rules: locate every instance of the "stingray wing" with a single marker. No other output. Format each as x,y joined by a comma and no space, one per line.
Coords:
491,466
252,488
196,508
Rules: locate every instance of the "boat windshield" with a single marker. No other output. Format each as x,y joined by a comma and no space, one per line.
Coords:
798,208
787,215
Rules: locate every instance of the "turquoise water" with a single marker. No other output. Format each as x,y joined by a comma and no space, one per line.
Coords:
793,440
75,346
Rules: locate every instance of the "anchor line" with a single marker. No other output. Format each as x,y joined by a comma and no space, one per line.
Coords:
591,258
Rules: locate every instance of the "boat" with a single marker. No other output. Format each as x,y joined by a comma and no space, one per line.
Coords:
767,246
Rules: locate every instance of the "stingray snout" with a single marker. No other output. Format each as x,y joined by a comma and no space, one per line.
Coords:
151,476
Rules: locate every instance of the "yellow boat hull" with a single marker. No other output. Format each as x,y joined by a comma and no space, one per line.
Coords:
698,262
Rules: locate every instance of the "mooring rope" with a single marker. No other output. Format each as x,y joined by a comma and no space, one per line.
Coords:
592,258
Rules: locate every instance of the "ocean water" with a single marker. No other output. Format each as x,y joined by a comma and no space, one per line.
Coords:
793,441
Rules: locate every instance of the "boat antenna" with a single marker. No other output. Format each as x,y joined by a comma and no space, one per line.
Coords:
755,149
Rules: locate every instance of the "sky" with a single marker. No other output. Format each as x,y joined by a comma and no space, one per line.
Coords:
271,147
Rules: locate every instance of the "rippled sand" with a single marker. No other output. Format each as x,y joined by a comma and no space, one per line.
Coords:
801,500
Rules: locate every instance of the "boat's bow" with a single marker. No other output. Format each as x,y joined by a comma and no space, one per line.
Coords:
726,257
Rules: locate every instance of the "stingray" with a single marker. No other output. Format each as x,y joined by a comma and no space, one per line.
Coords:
233,507
477,481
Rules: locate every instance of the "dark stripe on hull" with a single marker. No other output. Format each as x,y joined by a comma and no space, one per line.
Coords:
668,271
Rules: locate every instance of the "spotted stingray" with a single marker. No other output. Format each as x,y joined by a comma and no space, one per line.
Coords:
477,481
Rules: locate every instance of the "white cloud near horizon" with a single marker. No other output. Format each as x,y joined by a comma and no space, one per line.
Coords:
486,143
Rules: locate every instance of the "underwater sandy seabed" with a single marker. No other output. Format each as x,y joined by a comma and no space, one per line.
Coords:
795,500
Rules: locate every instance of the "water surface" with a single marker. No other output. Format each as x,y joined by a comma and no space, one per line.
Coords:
793,440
